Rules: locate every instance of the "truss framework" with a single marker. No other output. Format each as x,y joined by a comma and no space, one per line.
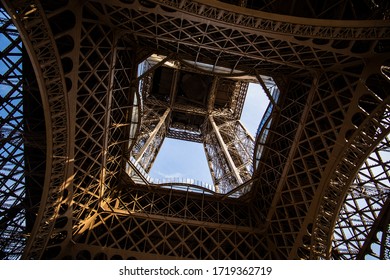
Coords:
12,182
332,113
228,145
365,210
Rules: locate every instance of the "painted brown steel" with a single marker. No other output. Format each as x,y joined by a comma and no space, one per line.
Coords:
324,127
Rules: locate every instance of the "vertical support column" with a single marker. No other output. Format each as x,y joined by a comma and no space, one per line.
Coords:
225,151
140,158
238,98
245,146
107,117
16,218
174,87
212,95
267,91
240,145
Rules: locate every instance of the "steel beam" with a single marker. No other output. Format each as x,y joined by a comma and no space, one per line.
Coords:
212,95
153,134
225,150
267,92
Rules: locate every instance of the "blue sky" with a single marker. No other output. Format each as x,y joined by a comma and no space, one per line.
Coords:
183,159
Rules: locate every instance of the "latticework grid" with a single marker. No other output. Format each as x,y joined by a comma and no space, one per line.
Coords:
320,183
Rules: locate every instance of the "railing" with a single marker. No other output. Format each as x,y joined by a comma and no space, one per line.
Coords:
183,181
134,169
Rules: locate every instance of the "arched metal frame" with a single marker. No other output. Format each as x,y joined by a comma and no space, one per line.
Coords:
332,113
12,182
362,227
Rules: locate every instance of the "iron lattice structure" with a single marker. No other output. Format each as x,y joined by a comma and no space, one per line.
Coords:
81,126
188,103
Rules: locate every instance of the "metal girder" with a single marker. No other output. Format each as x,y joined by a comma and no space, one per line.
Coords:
228,146
213,91
267,92
364,213
248,43
152,135
107,119
302,183
296,26
225,151
147,146
199,223
42,51
12,178
334,9
379,226
293,147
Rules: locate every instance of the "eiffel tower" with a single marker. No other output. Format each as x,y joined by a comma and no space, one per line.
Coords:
90,89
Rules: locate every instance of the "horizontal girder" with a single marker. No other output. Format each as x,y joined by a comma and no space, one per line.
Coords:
331,111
